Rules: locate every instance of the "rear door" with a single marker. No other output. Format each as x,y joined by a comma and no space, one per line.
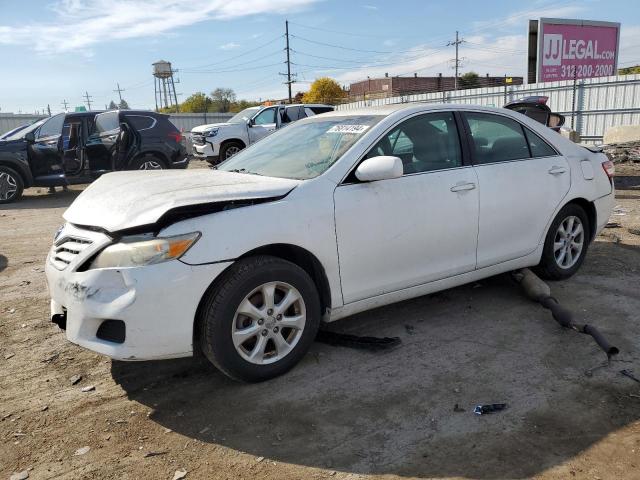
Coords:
522,181
101,145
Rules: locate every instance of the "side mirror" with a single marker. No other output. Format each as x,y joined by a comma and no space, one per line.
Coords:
30,137
383,167
250,122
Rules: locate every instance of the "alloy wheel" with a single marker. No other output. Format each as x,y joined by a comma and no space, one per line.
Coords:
231,151
8,186
269,323
150,165
568,242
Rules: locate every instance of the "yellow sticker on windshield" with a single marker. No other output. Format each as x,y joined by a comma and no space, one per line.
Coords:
355,129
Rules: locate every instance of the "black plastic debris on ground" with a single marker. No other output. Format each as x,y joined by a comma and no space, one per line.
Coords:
489,408
630,375
355,341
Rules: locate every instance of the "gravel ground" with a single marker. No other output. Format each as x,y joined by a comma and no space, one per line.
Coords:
341,413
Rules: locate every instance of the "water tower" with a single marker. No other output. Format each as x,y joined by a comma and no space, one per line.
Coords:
165,88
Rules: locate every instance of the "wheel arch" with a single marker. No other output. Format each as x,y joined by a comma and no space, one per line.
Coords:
590,210
25,174
299,256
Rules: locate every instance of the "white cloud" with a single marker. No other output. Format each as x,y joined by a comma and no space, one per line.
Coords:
79,24
520,18
370,7
229,46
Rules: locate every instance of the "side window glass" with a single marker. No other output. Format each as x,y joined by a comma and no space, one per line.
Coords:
105,122
496,138
265,117
539,148
140,122
424,143
51,127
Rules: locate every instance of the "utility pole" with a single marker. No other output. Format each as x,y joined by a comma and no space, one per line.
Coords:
49,109
457,43
88,99
119,90
288,62
64,104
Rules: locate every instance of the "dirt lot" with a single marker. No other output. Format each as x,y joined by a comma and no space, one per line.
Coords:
341,413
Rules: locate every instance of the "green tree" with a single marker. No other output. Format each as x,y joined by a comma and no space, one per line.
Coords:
112,105
223,98
629,70
469,80
197,103
324,90
123,105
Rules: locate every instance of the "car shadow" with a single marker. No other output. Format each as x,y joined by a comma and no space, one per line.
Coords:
33,200
394,412
3,262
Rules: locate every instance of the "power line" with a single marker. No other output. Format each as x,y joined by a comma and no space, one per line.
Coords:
277,52
346,48
257,67
237,56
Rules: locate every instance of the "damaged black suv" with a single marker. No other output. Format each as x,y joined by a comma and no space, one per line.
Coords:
76,148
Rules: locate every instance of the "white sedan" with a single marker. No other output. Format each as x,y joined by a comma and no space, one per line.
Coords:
334,215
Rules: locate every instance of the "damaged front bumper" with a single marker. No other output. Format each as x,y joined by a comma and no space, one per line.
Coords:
134,313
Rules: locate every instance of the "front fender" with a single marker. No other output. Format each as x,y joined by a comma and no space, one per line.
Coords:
18,161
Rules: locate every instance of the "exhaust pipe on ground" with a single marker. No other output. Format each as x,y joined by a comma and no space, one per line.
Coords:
540,292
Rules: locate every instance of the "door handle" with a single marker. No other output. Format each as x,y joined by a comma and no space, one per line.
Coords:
460,187
555,170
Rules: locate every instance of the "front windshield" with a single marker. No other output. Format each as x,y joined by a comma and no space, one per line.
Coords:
244,115
20,134
303,150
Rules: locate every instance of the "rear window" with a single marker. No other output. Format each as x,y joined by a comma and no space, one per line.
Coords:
106,122
141,122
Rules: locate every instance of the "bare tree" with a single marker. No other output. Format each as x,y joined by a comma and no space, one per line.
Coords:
223,98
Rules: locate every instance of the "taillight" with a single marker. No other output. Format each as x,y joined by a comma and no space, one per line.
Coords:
177,136
609,168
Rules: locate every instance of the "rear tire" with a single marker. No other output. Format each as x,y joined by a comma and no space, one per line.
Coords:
566,244
259,319
229,149
11,185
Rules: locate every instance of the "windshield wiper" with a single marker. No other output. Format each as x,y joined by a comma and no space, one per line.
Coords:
244,170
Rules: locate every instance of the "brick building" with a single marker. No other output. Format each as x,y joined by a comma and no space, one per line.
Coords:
397,86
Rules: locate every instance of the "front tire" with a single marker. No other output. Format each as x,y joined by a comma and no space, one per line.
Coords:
259,319
229,149
566,244
11,185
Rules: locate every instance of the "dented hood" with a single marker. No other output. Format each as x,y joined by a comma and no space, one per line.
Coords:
123,200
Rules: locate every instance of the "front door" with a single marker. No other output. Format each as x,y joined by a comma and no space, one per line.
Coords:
522,181
46,152
263,124
72,148
408,231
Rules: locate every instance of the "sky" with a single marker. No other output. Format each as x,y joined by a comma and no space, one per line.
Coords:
57,50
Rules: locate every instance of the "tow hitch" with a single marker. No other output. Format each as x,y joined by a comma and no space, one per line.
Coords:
540,292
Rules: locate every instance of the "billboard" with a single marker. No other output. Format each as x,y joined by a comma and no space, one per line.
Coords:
563,49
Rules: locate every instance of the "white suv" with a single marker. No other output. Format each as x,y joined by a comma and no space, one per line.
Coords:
218,141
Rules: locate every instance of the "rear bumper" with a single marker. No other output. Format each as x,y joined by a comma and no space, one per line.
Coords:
184,163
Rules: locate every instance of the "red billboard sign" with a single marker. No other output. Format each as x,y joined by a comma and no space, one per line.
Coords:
569,49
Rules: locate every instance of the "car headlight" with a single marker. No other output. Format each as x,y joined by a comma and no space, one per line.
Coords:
136,251
211,133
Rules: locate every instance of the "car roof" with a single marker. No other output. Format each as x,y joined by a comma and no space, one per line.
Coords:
386,110
92,113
